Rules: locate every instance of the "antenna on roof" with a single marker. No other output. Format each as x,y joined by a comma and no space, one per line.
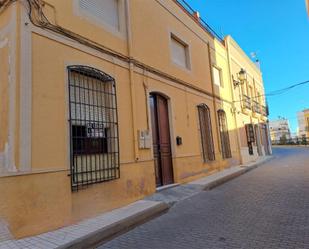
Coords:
256,59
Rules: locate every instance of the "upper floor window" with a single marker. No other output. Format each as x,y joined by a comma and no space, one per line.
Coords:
106,11
93,126
180,52
217,76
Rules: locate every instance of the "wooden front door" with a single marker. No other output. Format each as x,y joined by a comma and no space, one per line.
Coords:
161,140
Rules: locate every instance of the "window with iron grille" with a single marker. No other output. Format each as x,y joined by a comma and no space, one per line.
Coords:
224,135
250,133
206,133
250,137
93,122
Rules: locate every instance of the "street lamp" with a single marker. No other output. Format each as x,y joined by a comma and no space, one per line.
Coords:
241,76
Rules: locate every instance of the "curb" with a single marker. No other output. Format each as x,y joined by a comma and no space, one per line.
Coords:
245,169
109,232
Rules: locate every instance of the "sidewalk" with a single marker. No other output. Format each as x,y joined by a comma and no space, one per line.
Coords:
94,231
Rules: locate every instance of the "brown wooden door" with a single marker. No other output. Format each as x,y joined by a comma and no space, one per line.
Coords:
161,140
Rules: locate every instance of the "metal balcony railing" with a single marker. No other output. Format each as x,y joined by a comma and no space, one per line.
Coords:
246,101
256,107
187,8
264,111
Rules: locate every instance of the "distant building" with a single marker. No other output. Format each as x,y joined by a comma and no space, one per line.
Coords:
303,123
279,129
294,135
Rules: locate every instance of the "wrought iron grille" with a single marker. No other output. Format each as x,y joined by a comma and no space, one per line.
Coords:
246,102
250,133
94,145
224,135
184,4
256,107
265,111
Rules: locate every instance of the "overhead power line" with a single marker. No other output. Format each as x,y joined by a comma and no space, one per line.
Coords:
283,90
279,91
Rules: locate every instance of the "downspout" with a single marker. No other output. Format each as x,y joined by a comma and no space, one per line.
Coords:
227,45
131,79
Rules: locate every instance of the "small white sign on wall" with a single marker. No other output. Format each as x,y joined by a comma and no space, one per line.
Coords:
144,139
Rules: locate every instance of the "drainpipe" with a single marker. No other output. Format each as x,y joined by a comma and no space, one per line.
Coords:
227,44
131,79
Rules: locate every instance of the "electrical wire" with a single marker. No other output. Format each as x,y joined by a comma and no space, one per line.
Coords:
279,91
39,19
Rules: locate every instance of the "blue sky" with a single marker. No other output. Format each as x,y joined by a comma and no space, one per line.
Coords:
278,30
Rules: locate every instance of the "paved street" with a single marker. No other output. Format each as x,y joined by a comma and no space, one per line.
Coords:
265,208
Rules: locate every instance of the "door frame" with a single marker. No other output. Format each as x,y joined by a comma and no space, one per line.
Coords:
148,92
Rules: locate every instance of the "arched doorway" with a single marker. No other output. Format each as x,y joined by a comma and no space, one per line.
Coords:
161,139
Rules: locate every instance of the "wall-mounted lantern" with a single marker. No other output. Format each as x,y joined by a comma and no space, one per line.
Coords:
241,77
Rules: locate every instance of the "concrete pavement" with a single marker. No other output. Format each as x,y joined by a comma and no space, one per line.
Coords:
91,232
266,208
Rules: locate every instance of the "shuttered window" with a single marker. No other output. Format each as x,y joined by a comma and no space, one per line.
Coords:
224,135
206,133
216,72
180,52
93,126
104,10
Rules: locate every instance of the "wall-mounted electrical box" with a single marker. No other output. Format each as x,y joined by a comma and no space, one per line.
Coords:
144,139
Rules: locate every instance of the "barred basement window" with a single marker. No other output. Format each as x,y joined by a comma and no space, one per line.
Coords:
224,135
206,133
93,121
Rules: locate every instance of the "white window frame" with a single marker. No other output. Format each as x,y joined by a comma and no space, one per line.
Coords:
87,16
221,84
173,36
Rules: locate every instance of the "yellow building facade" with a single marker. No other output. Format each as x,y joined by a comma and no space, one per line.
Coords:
102,105
249,104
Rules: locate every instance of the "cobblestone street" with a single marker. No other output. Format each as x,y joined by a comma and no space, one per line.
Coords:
265,208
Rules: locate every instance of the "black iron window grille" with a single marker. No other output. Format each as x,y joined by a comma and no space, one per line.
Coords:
250,133
250,137
206,133
224,135
256,107
94,144
246,102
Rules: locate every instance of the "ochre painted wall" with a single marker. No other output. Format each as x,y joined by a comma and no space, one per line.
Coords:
40,199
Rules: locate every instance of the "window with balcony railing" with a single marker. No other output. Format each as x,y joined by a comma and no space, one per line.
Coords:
264,111
256,107
246,102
